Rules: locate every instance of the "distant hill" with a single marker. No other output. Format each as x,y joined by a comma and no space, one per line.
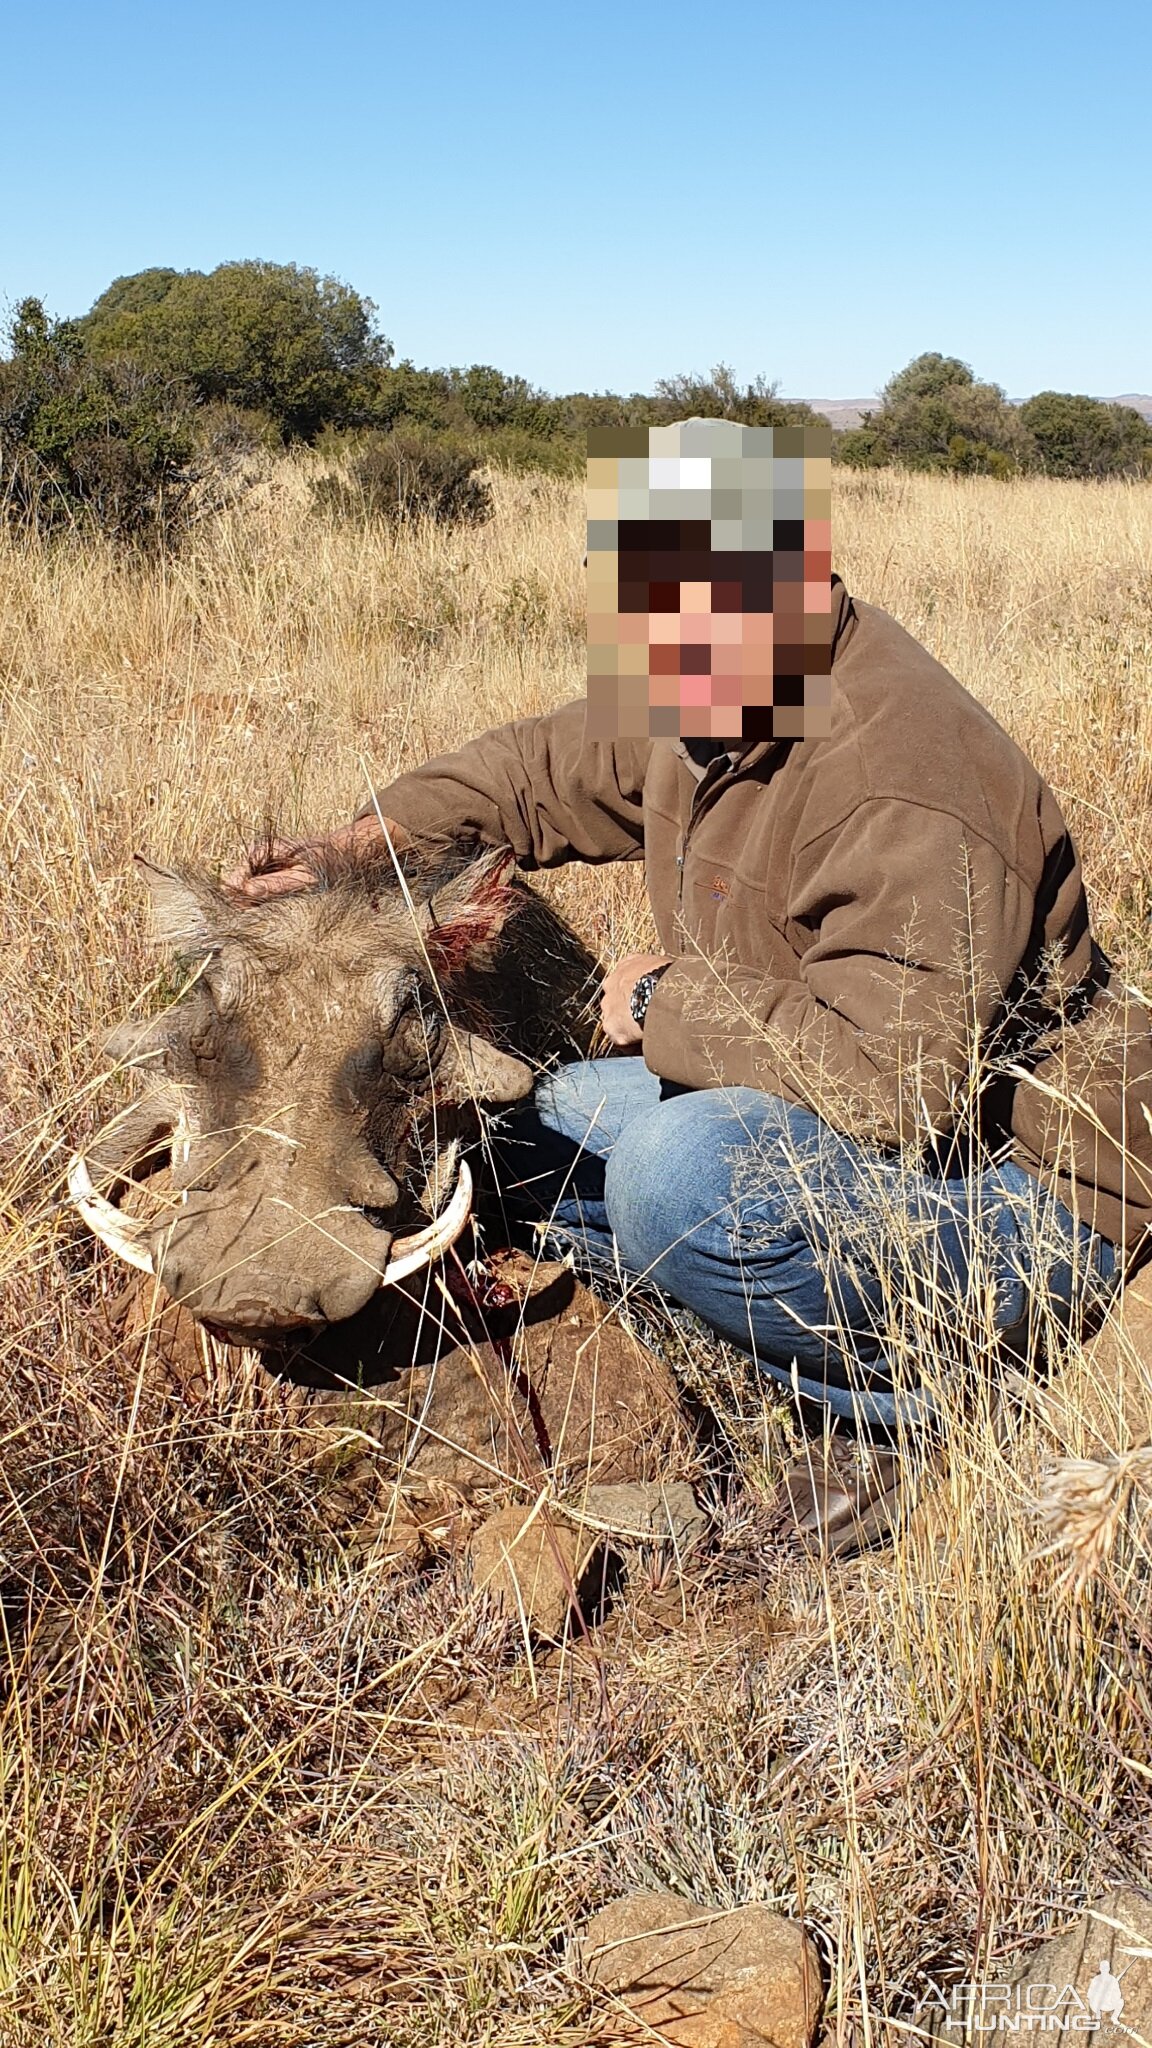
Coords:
848,412
844,412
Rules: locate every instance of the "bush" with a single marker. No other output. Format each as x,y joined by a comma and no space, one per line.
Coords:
1077,436
491,400
90,444
719,396
264,337
977,458
861,448
402,476
935,415
525,454
496,419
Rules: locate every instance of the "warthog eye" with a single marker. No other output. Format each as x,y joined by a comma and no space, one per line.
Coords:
413,1042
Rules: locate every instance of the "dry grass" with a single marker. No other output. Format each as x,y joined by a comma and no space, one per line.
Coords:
257,1788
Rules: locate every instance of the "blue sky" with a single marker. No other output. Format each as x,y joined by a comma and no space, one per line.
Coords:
596,196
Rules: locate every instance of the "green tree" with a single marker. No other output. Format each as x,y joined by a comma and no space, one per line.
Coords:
489,398
267,337
88,443
934,414
719,396
927,376
1086,437
133,294
861,447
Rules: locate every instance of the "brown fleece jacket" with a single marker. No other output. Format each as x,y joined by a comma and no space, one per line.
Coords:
888,925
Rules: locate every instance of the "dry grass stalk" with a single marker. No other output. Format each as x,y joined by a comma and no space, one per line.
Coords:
1084,1506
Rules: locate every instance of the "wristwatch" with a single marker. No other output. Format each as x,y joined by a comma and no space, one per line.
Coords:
642,994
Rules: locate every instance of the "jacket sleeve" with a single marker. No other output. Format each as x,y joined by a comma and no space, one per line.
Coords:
537,786
877,1032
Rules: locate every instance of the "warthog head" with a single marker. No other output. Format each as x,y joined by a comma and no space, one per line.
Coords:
317,1082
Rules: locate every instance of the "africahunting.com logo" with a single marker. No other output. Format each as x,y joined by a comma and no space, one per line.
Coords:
959,2012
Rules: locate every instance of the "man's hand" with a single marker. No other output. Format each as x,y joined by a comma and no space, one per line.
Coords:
615,1015
291,869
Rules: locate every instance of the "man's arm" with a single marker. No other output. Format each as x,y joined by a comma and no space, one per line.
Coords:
537,786
534,785
916,933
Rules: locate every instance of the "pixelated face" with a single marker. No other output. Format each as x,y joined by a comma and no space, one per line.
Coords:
709,582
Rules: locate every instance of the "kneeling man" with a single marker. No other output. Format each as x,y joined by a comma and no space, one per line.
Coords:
878,1077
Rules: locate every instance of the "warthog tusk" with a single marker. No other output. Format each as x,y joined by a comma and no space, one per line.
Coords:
408,1254
128,1238
122,1234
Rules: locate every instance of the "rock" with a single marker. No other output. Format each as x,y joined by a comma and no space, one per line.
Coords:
395,1526
1111,1940
531,1564
1101,1966
582,1401
708,2029
778,2001
704,1978
163,1343
530,1375
535,1379
640,1511
610,1406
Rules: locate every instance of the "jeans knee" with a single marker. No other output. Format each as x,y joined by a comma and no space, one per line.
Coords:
667,1193
627,1189
562,1096
591,1101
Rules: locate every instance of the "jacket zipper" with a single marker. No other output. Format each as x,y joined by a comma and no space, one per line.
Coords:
704,791
700,795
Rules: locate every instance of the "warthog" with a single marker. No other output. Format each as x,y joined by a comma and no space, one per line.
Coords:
319,1083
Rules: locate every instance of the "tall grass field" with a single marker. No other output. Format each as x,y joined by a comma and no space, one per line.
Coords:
259,1783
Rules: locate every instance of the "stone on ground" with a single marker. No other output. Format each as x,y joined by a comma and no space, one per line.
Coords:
1101,1966
562,1392
643,1511
1113,1936
703,1978
530,1563
565,1389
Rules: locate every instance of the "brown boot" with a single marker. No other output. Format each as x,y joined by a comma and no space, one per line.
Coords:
843,1496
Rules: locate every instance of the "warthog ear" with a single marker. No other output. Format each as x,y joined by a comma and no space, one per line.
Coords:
182,909
467,915
136,1040
490,1075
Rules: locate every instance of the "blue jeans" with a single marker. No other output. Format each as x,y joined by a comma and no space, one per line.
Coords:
789,1240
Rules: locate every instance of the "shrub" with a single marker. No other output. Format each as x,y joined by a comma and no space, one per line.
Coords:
1078,436
498,420
264,337
85,443
515,449
403,476
935,415
719,396
490,400
977,458
861,448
